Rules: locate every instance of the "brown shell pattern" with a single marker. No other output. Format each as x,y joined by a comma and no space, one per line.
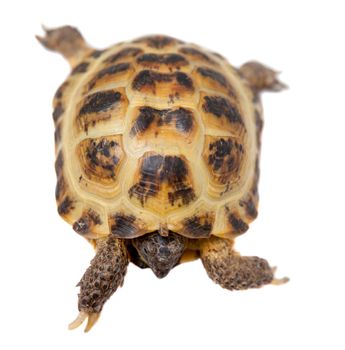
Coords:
156,134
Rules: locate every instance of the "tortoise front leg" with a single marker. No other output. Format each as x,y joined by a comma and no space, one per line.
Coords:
233,271
105,274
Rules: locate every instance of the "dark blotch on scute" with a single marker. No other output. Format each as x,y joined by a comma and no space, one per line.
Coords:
59,164
256,178
58,111
214,75
219,106
218,55
221,148
85,223
57,134
112,70
102,154
238,224
182,117
150,78
60,90
125,53
80,68
184,80
100,101
197,227
167,59
259,126
217,77
144,120
123,225
197,54
60,188
249,207
225,158
158,169
96,53
66,206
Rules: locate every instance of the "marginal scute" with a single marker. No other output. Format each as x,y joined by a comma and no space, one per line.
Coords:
250,208
124,225
80,68
198,226
96,53
57,134
237,224
158,41
259,126
59,162
65,206
86,223
60,91
61,187
58,111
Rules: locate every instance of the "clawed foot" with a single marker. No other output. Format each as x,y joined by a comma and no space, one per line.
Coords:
233,271
260,77
66,40
91,320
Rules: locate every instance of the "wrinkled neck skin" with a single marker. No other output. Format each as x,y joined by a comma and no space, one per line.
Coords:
160,253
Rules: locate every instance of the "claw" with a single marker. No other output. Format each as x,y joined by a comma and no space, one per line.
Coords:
78,321
277,86
278,281
91,320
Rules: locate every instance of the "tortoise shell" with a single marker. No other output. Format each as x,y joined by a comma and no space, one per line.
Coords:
156,134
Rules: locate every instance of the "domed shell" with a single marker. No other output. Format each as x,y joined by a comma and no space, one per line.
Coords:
156,134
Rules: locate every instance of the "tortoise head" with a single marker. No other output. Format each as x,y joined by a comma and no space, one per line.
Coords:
160,253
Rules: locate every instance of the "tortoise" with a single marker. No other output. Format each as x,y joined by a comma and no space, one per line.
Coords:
157,159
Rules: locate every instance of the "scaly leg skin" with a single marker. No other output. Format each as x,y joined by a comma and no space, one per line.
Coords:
105,274
232,271
260,77
67,41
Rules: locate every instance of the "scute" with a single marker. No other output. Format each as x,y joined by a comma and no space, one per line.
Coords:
162,183
156,134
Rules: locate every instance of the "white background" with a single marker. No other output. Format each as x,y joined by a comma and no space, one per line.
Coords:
300,227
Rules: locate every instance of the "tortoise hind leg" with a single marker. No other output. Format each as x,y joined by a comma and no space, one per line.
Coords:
260,77
232,271
67,41
105,274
